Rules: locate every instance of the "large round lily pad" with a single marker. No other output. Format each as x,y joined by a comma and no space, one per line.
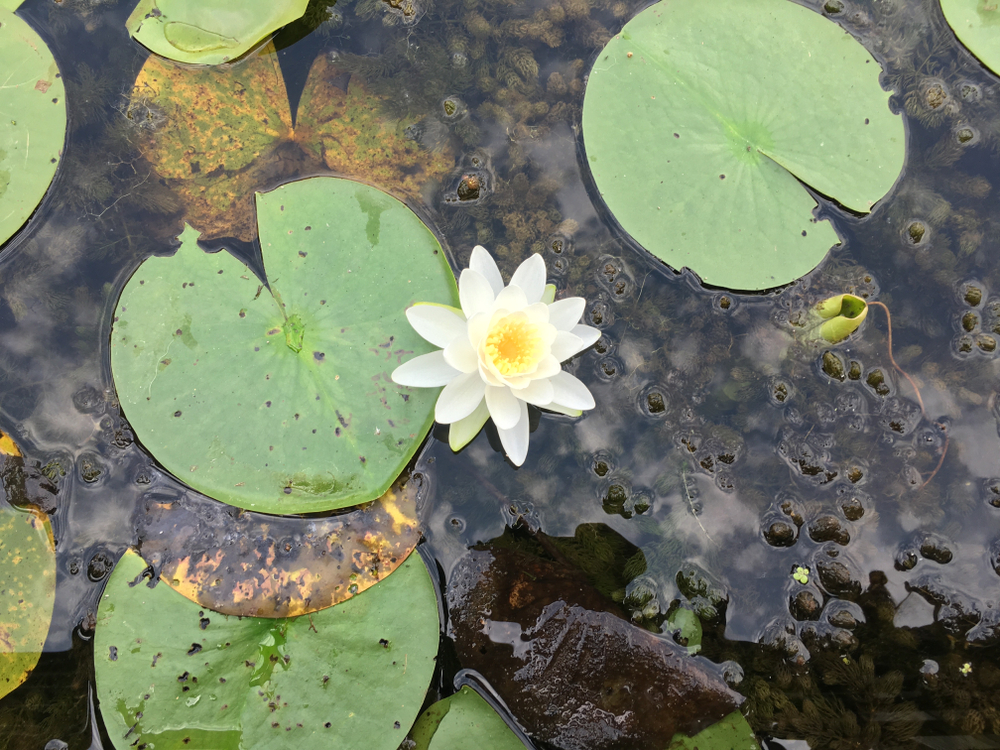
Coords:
282,402
700,120
33,121
976,23
170,675
27,592
241,563
208,31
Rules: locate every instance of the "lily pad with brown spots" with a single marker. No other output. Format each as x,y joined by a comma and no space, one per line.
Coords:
27,585
218,134
242,563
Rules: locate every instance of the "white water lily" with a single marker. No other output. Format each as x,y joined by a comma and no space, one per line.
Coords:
500,352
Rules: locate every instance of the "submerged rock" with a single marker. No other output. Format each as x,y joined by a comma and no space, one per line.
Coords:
572,670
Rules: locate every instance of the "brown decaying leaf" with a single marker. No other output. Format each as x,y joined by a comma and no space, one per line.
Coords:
216,135
575,673
241,563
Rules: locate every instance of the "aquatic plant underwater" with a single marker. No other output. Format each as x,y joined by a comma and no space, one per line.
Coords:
753,511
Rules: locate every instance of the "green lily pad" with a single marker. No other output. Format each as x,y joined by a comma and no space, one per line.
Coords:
460,721
27,592
698,133
282,402
171,675
32,121
730,733
976,23
208,32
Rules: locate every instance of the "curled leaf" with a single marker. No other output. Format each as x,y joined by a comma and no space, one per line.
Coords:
842,314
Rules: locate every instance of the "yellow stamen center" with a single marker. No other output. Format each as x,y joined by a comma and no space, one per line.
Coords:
514,345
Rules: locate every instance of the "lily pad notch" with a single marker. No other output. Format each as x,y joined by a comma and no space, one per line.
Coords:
701,137
281,402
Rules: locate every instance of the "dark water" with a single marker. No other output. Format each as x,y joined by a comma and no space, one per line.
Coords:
722,447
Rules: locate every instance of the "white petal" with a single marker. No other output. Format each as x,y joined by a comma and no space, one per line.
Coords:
488,374
483,262
547,368
564,346
537,392
461,355
459,398
436,323
587,334
530,276
560,409
512,299
425,371
549,295
538,314
504,407
515,440
475,292
566,313
479,326
570,392
460,433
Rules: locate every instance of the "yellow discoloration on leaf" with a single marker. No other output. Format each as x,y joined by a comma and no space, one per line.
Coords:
226,131
27,592
8,447
282,568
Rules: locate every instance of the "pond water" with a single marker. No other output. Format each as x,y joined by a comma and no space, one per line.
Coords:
724,453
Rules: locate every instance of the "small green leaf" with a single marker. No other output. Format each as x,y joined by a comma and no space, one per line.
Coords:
687,623
32,120
27,591
730,733
282,402
701,119
173,676
208,32
461,721
976,23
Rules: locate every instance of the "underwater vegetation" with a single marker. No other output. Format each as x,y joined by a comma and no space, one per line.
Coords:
819,528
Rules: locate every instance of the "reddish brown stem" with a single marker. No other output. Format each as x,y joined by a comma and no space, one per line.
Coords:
916,390
900,370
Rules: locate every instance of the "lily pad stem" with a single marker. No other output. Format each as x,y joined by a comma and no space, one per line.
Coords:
888,320
940,425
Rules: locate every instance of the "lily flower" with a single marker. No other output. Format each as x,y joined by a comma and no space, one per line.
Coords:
500,352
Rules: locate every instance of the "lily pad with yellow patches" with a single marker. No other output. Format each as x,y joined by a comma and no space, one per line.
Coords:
279,567
27,592
218,134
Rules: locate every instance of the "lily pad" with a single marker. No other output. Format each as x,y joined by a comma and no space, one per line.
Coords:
171,675
460,721
282,402
278,567
27,592
730,733
217,134
976,23
208,32
701,135
33,121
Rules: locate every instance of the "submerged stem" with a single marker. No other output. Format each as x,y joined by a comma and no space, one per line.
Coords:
916,390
